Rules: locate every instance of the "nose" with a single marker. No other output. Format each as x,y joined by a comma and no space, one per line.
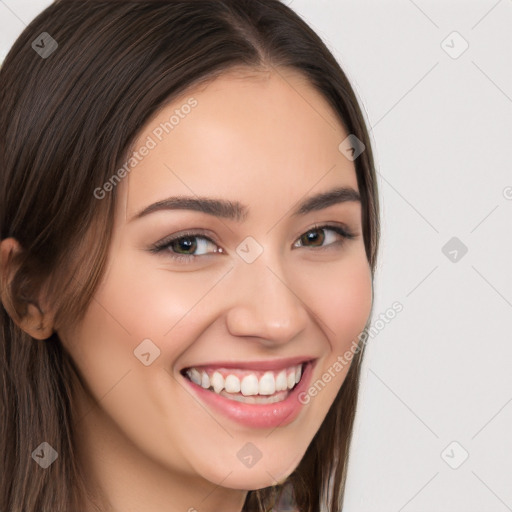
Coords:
264,304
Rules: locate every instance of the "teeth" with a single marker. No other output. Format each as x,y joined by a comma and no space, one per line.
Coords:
205,380
277,397
281,381
298,374
249,385
291,380
195,376
232,384
217,381
268,384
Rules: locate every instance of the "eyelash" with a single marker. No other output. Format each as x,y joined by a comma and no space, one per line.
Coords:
188,258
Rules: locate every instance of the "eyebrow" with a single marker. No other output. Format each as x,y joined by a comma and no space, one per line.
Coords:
234,210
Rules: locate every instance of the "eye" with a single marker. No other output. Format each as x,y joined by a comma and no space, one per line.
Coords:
312,236
183,247
186,242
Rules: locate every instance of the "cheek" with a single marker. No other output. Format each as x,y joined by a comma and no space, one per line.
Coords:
343,299
148,300
350,307
340,298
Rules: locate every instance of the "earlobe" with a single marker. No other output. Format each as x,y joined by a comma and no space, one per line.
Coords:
34,321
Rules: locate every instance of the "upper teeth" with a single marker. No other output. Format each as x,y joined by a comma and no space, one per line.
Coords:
246,382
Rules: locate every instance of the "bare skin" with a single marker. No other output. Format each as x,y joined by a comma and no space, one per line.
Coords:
268,140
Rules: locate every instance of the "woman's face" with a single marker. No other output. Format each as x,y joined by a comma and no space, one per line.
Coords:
255,288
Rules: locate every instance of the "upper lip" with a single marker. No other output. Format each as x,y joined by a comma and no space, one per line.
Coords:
268,364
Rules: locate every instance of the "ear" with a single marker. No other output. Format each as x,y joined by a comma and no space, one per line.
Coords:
35,321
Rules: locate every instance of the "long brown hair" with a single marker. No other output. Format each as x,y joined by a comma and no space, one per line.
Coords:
67,122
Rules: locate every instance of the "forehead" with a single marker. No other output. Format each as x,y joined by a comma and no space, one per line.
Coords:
242,135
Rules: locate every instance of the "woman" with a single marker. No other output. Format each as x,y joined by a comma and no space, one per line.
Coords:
189,230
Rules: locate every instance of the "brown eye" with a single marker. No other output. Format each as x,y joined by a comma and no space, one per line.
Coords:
316,236
185,243
184,247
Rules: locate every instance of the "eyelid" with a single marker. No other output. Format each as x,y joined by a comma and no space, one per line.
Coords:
331,225
187,233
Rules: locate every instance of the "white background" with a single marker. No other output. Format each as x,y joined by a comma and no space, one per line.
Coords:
439,372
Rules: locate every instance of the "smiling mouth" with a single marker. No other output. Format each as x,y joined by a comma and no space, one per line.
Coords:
247,386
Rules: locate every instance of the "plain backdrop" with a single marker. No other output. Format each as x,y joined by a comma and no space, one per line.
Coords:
433,431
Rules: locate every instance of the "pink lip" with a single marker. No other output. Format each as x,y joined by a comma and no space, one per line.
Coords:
278,414
269,364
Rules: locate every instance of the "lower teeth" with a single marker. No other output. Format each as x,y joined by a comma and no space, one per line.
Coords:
255,399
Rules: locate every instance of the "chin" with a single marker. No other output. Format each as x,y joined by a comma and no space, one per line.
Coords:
252,479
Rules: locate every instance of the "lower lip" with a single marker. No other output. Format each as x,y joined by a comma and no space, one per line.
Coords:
278,414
